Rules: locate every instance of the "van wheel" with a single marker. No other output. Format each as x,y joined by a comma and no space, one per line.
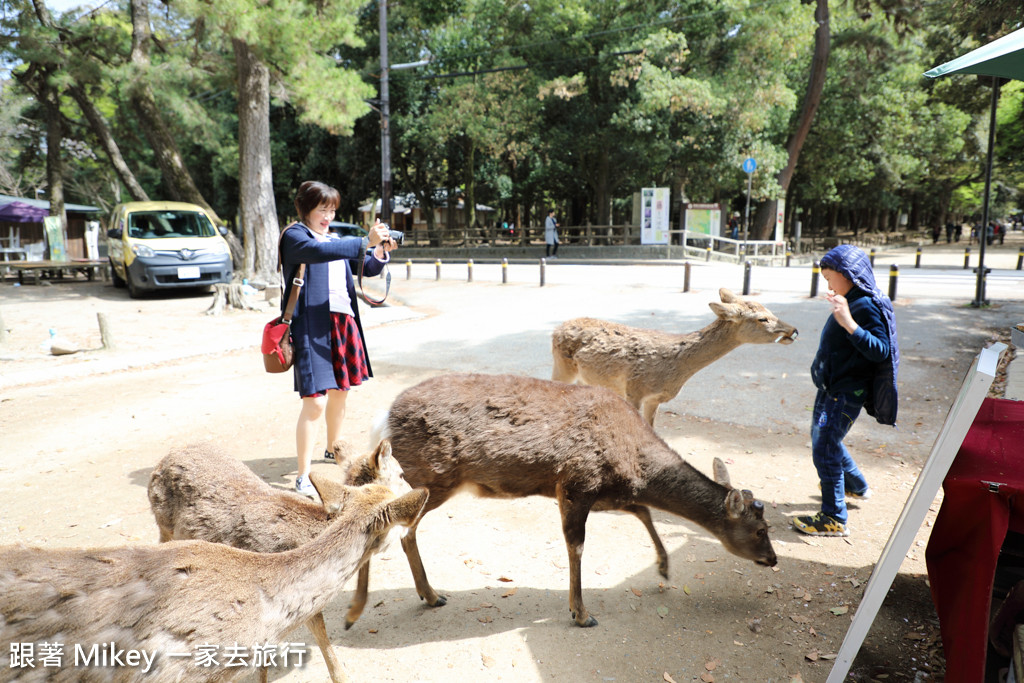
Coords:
117,279
133,289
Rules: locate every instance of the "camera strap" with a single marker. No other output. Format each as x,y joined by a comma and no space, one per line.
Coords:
387,284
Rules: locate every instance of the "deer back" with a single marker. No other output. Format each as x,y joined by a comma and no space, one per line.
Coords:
200,491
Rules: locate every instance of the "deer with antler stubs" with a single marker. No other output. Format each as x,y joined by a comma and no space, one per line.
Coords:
504,436
649,367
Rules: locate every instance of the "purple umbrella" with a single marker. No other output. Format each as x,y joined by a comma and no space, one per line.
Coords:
20,212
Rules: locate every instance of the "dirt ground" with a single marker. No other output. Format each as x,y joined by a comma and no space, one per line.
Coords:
79,435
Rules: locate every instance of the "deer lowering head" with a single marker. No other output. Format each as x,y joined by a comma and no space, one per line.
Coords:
506,437
649,367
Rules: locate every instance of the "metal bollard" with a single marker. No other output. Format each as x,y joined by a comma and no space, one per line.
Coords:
708,256
408,270
469,271
543,266
437,264
1020,258
917,260
686,276
746,278
504,271
789,257
894,273
872,256
967,258
815,272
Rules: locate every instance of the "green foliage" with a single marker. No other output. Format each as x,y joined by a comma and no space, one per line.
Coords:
567,103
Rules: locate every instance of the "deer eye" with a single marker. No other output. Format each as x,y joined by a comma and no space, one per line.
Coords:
761,533
762,320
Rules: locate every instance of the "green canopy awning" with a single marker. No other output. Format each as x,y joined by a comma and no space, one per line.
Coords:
1003,57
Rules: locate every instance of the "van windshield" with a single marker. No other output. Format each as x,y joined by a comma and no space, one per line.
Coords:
157,224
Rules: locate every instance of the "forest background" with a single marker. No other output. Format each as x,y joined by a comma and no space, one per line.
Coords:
518,105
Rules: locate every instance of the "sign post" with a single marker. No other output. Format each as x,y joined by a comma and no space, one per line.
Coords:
749,166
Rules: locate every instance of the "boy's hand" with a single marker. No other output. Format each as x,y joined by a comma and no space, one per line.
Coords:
841,312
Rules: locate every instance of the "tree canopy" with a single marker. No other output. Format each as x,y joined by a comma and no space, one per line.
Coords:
520,106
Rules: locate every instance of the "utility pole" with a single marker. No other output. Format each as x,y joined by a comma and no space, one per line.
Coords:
386,193
385,117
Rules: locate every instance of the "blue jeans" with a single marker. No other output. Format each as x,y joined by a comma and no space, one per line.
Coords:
831,420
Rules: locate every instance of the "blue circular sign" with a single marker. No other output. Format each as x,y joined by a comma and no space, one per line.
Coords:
749,165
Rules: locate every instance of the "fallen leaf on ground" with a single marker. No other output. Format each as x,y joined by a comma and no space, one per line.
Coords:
487,661
505,579
637,592
667,678
509,593
839,611
662,611
811,656
800,619
711,664
707,678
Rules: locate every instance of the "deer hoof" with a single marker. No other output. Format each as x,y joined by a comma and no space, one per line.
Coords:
590,621
440,602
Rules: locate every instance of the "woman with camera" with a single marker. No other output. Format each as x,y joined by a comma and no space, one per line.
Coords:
330,350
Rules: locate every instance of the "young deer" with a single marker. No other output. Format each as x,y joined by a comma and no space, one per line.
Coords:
504,436
200,492
648,367
170,600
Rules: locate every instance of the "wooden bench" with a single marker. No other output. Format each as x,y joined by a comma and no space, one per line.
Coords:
40,270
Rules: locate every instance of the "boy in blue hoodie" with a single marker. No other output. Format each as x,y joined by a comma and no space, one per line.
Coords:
855,367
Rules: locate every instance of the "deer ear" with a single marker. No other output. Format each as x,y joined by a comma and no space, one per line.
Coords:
406,509
727,296
331,489
734,506
380,454
721,474
726,311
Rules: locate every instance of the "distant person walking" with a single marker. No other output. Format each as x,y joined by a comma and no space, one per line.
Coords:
551,225
949,231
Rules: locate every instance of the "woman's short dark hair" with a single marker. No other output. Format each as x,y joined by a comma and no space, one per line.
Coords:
312,194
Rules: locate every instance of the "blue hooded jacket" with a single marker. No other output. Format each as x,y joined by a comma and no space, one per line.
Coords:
880,377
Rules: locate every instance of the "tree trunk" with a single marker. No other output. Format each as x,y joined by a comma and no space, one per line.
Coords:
102,131
470,184
603,191
257,207
54,162
143,102
765,216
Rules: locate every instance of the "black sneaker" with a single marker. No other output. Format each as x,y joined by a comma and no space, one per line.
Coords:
820,525
328,456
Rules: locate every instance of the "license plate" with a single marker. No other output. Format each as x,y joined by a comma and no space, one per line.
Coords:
188,273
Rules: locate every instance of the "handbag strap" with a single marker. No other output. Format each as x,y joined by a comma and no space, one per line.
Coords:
297,283
294,296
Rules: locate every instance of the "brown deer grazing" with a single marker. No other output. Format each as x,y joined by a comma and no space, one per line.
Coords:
648,367
200,492
504,436
151,608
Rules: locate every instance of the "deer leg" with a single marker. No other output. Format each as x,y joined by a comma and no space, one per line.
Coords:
649,409
355,608
319,630
644,515
412,553
564,369
574,528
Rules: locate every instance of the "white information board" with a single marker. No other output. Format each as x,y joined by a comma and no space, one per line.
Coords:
654,210
958,422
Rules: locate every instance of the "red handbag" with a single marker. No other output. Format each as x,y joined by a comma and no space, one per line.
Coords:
278,352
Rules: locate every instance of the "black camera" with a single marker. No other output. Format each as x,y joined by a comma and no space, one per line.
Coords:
396,236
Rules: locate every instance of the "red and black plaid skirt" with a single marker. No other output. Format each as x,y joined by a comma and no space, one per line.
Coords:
347,353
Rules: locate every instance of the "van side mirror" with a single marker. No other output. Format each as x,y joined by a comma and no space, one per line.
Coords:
114,233
223,230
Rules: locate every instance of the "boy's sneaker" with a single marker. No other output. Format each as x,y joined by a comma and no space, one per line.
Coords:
863,495
303,486
328,455
820,525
